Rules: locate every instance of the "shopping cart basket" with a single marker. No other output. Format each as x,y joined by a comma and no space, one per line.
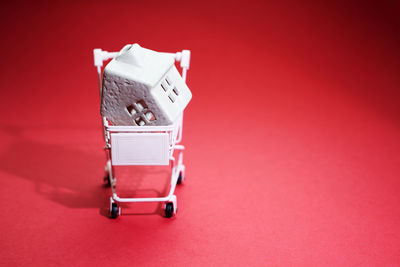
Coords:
143,145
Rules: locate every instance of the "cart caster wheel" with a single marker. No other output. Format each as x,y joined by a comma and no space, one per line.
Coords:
180,178
114,211
107,180
169,210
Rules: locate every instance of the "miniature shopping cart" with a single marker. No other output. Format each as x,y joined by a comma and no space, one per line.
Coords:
143,145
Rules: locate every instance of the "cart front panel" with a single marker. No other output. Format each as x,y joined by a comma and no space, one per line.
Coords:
140,149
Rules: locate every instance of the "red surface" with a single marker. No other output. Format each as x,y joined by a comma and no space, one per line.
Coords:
292,136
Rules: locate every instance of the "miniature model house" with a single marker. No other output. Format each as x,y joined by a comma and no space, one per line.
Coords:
143,87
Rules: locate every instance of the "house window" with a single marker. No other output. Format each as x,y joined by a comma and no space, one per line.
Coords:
170,90
140,113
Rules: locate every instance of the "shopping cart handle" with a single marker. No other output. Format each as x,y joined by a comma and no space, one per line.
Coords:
185,60
100,56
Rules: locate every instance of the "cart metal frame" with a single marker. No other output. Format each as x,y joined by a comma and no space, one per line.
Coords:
171,134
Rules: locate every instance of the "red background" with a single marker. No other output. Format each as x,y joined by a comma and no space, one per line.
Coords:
292,135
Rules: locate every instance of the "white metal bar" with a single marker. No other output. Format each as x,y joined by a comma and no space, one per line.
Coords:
184,70
179,138
140,128
147,199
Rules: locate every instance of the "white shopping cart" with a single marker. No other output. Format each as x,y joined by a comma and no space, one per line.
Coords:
143,145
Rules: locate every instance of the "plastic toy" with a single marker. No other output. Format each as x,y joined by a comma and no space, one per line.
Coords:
146,143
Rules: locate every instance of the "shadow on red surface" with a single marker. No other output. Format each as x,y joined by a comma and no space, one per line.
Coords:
68,176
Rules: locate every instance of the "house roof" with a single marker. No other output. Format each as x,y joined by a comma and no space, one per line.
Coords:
142,65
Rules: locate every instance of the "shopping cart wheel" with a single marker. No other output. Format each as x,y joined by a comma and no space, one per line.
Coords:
114,212
181,178
169,210
107,180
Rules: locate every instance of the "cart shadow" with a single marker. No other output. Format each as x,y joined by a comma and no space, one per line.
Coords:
62,173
